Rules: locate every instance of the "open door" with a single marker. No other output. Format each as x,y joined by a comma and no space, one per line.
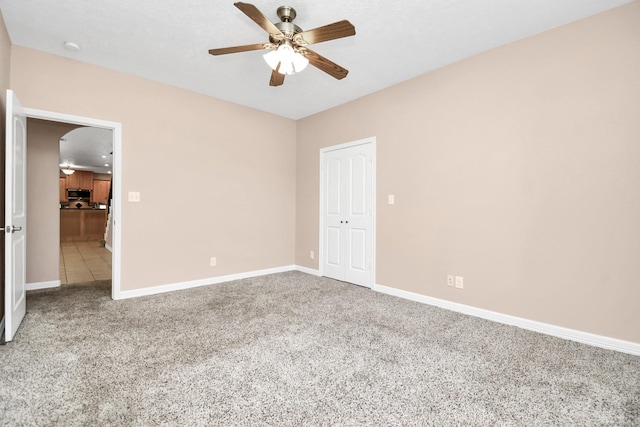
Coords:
15,216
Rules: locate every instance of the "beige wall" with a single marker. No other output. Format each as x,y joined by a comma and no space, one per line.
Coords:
5,65
517,169
216,179
43,199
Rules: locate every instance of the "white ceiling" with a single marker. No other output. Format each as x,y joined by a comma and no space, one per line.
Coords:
168,40
87,148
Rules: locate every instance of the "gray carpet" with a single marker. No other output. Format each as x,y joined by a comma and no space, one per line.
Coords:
292,350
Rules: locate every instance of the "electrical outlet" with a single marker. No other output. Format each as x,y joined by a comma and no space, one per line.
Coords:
459,282
134,196
450,280
312,254
391,199
213,261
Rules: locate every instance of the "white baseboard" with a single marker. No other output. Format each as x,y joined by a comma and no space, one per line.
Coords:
307,270
42,285
545,328
201,282
108,247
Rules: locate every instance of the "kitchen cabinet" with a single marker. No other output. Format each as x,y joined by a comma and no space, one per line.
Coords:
82,224
64,196
86,180
80,180
73,181
100,193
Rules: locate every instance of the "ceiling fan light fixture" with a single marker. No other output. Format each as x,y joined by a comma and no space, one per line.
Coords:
272,59
290,61
286,68
300,62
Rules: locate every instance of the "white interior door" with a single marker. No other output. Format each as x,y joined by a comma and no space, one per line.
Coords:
347,204
15,216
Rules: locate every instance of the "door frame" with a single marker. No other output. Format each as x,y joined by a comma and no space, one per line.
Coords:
370,140
116,206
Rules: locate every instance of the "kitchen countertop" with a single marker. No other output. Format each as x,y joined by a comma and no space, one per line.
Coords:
82,209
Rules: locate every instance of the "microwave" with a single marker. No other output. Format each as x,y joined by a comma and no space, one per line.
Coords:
78,195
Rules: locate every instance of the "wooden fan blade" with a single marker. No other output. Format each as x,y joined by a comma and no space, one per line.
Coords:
326,65
333,31
235,49
252,12
276,78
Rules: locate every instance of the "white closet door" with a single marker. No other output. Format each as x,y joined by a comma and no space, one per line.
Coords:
348,214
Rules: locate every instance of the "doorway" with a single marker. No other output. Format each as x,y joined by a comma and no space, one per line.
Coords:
86,167
347,212
116,133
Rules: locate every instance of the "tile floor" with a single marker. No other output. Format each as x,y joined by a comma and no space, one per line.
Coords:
84,262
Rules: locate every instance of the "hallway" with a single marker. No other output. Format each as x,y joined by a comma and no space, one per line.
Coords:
84,262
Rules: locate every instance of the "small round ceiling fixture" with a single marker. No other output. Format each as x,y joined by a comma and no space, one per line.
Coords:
74,47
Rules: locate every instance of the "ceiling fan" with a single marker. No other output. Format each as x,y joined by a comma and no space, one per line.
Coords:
289,53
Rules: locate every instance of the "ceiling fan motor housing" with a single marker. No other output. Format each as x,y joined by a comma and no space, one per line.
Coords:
286,14
288,27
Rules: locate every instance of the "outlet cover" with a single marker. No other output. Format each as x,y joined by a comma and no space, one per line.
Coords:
134,196
459,282
312,254
450,280
213,261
